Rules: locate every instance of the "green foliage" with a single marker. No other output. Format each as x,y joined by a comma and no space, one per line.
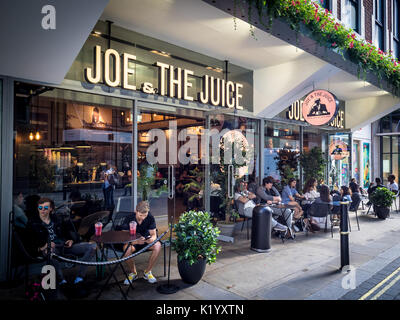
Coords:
41,173
219,173
313,163
382,197
307,16
194,184
146,179
288,161
196,237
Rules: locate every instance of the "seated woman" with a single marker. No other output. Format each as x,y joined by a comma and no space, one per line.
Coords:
324,197
310,193
345,195
289,195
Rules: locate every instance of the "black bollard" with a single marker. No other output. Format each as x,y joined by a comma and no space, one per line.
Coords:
344,235
261,229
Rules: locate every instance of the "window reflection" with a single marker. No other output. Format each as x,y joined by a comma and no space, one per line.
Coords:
77,139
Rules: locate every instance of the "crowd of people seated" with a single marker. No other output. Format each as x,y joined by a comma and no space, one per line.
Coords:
291,210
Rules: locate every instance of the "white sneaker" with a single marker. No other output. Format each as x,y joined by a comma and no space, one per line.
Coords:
149,277
132,277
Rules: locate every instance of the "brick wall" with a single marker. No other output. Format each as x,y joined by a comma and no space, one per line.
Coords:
369,10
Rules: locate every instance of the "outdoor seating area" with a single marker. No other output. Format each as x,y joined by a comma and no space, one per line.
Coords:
108,244
284,266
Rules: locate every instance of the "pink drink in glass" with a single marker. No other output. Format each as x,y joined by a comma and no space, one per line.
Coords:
98,227
132,228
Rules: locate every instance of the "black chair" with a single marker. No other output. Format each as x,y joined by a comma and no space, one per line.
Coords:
86,228
20,255
355,204
321,210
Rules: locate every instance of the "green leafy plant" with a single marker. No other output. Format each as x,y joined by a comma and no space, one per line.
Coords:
288,161
196,237
194,184
307,16
41,173
382,197
313,163
219,173
146,180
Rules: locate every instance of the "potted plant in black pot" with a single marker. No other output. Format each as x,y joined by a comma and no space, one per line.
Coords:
382,199
196,244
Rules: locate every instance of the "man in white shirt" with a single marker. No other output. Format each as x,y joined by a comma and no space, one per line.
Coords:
392,185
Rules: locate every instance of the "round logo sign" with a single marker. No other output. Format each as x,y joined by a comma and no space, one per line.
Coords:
338,150
319,107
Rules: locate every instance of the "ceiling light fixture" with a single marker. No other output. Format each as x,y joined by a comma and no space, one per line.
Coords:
161,53
215,69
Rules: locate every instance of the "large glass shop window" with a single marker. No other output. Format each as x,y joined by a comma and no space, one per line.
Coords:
278,136
339,160
67,143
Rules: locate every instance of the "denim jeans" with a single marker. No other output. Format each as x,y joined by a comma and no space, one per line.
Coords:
84,250
109,197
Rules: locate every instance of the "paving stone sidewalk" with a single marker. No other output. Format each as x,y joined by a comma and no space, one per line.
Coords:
306,268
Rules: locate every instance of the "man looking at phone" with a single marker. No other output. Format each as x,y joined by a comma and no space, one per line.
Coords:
146,227
48,227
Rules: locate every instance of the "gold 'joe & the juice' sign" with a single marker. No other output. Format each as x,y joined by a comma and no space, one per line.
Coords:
172,81
295,112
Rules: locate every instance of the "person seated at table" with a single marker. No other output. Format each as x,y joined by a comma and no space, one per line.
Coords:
289,195
268,194
343,196
354,187
146,227
372,188
356,192
31,204
20,219
246,203
392,185
47,226
310,193
324,197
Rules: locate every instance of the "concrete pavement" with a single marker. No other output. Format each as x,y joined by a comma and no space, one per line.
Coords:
304,268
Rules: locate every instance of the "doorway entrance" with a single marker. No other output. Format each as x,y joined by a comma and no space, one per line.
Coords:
170,174
176,169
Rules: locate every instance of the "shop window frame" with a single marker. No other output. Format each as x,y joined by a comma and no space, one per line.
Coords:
379,22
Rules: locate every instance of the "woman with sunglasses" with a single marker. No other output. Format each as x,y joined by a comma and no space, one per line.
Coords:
47,226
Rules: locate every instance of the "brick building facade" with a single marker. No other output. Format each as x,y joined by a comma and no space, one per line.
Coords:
365,15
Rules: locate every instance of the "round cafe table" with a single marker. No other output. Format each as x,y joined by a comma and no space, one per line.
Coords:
109,239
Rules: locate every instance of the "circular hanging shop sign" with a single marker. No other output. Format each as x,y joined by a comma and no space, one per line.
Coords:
338,150
319,107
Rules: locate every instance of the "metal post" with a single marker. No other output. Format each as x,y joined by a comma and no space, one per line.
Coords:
344,235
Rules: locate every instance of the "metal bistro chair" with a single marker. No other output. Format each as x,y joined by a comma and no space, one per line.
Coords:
20,256
354,206
321,210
